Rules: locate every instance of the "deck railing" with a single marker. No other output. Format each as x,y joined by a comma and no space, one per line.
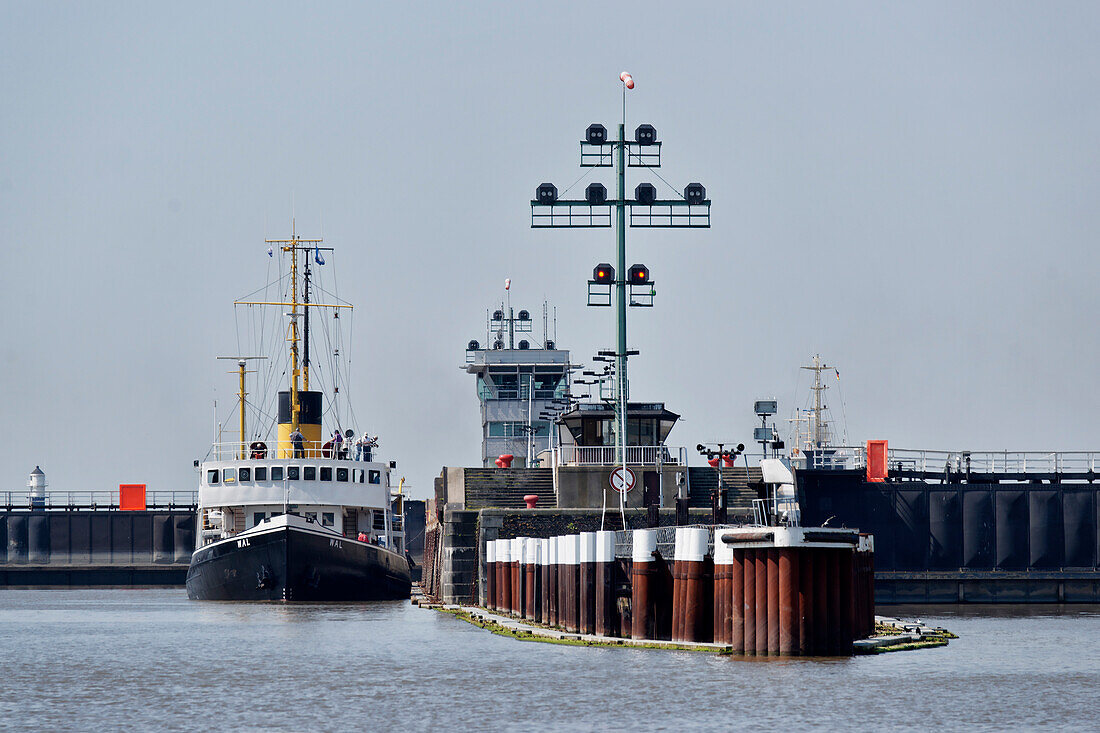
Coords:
933,461
94,500
270,451
607,455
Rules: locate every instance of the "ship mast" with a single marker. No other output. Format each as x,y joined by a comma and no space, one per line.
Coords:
819,426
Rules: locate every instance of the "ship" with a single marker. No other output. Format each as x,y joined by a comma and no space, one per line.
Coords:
292,511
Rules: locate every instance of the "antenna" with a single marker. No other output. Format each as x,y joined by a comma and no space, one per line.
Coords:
819,429
241,394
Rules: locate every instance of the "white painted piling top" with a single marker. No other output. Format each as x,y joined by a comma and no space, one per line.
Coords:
571,549
491,551
605,547
691,543
587,547
531,551
645,543
517,549
504,550
552,551
723,554
544,551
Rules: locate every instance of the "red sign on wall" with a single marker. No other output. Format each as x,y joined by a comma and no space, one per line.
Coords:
131,497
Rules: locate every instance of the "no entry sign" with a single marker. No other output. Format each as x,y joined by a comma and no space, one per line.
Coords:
617,479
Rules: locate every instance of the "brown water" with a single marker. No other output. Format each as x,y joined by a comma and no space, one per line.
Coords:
151,659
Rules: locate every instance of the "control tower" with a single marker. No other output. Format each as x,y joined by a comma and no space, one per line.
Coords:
522,384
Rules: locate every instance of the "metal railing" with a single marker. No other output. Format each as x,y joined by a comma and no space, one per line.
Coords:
608,455
932,461
270,451
93,499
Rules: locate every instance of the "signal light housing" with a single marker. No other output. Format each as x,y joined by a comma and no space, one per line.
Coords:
596,194
546,193
596,134
645,134
694,193
639,275
603,273
645,193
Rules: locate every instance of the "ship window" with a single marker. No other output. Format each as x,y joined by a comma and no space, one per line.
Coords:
293,473
229,475
244,474
326,473
257,518
276,473
309,473
328,519
212,476
376,477
341,474
362,475
261,473
379,522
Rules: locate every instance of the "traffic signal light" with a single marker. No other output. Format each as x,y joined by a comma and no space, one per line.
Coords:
603,274
639,275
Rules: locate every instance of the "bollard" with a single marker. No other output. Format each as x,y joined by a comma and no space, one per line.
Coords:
749,604
504,592
723,590
642,571
586,568
605,591
530,565
736,601
788,602
695,614
490,574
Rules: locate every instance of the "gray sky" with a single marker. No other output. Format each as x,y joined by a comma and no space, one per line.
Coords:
908,190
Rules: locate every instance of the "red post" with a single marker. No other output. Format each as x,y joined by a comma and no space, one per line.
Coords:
836,624
773,602
762,602
788,602
805,601
642,621
821,602
847,601
605,560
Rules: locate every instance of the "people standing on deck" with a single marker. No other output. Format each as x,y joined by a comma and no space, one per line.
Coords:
337,444
361,446
297,440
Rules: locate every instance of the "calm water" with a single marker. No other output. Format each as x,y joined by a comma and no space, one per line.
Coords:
151,659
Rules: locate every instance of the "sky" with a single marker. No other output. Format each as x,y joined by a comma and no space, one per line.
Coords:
909,190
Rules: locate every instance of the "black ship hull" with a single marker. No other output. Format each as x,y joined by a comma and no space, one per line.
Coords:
296,564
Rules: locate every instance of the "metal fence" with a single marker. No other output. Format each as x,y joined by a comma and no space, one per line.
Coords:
93,499
855,457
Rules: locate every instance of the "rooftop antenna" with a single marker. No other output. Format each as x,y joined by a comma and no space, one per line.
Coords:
689,210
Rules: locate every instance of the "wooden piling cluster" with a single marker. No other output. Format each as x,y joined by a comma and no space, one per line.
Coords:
776,591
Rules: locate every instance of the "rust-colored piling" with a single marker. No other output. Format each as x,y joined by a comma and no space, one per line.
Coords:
723,591
805,601
821,601
490,571
836,642
749,605
586,567
531,564
552,587
773,601
693,574
762,602
505,570
737,602
544,581
570,594
604,595
642,619
847,601
788,602
517,576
